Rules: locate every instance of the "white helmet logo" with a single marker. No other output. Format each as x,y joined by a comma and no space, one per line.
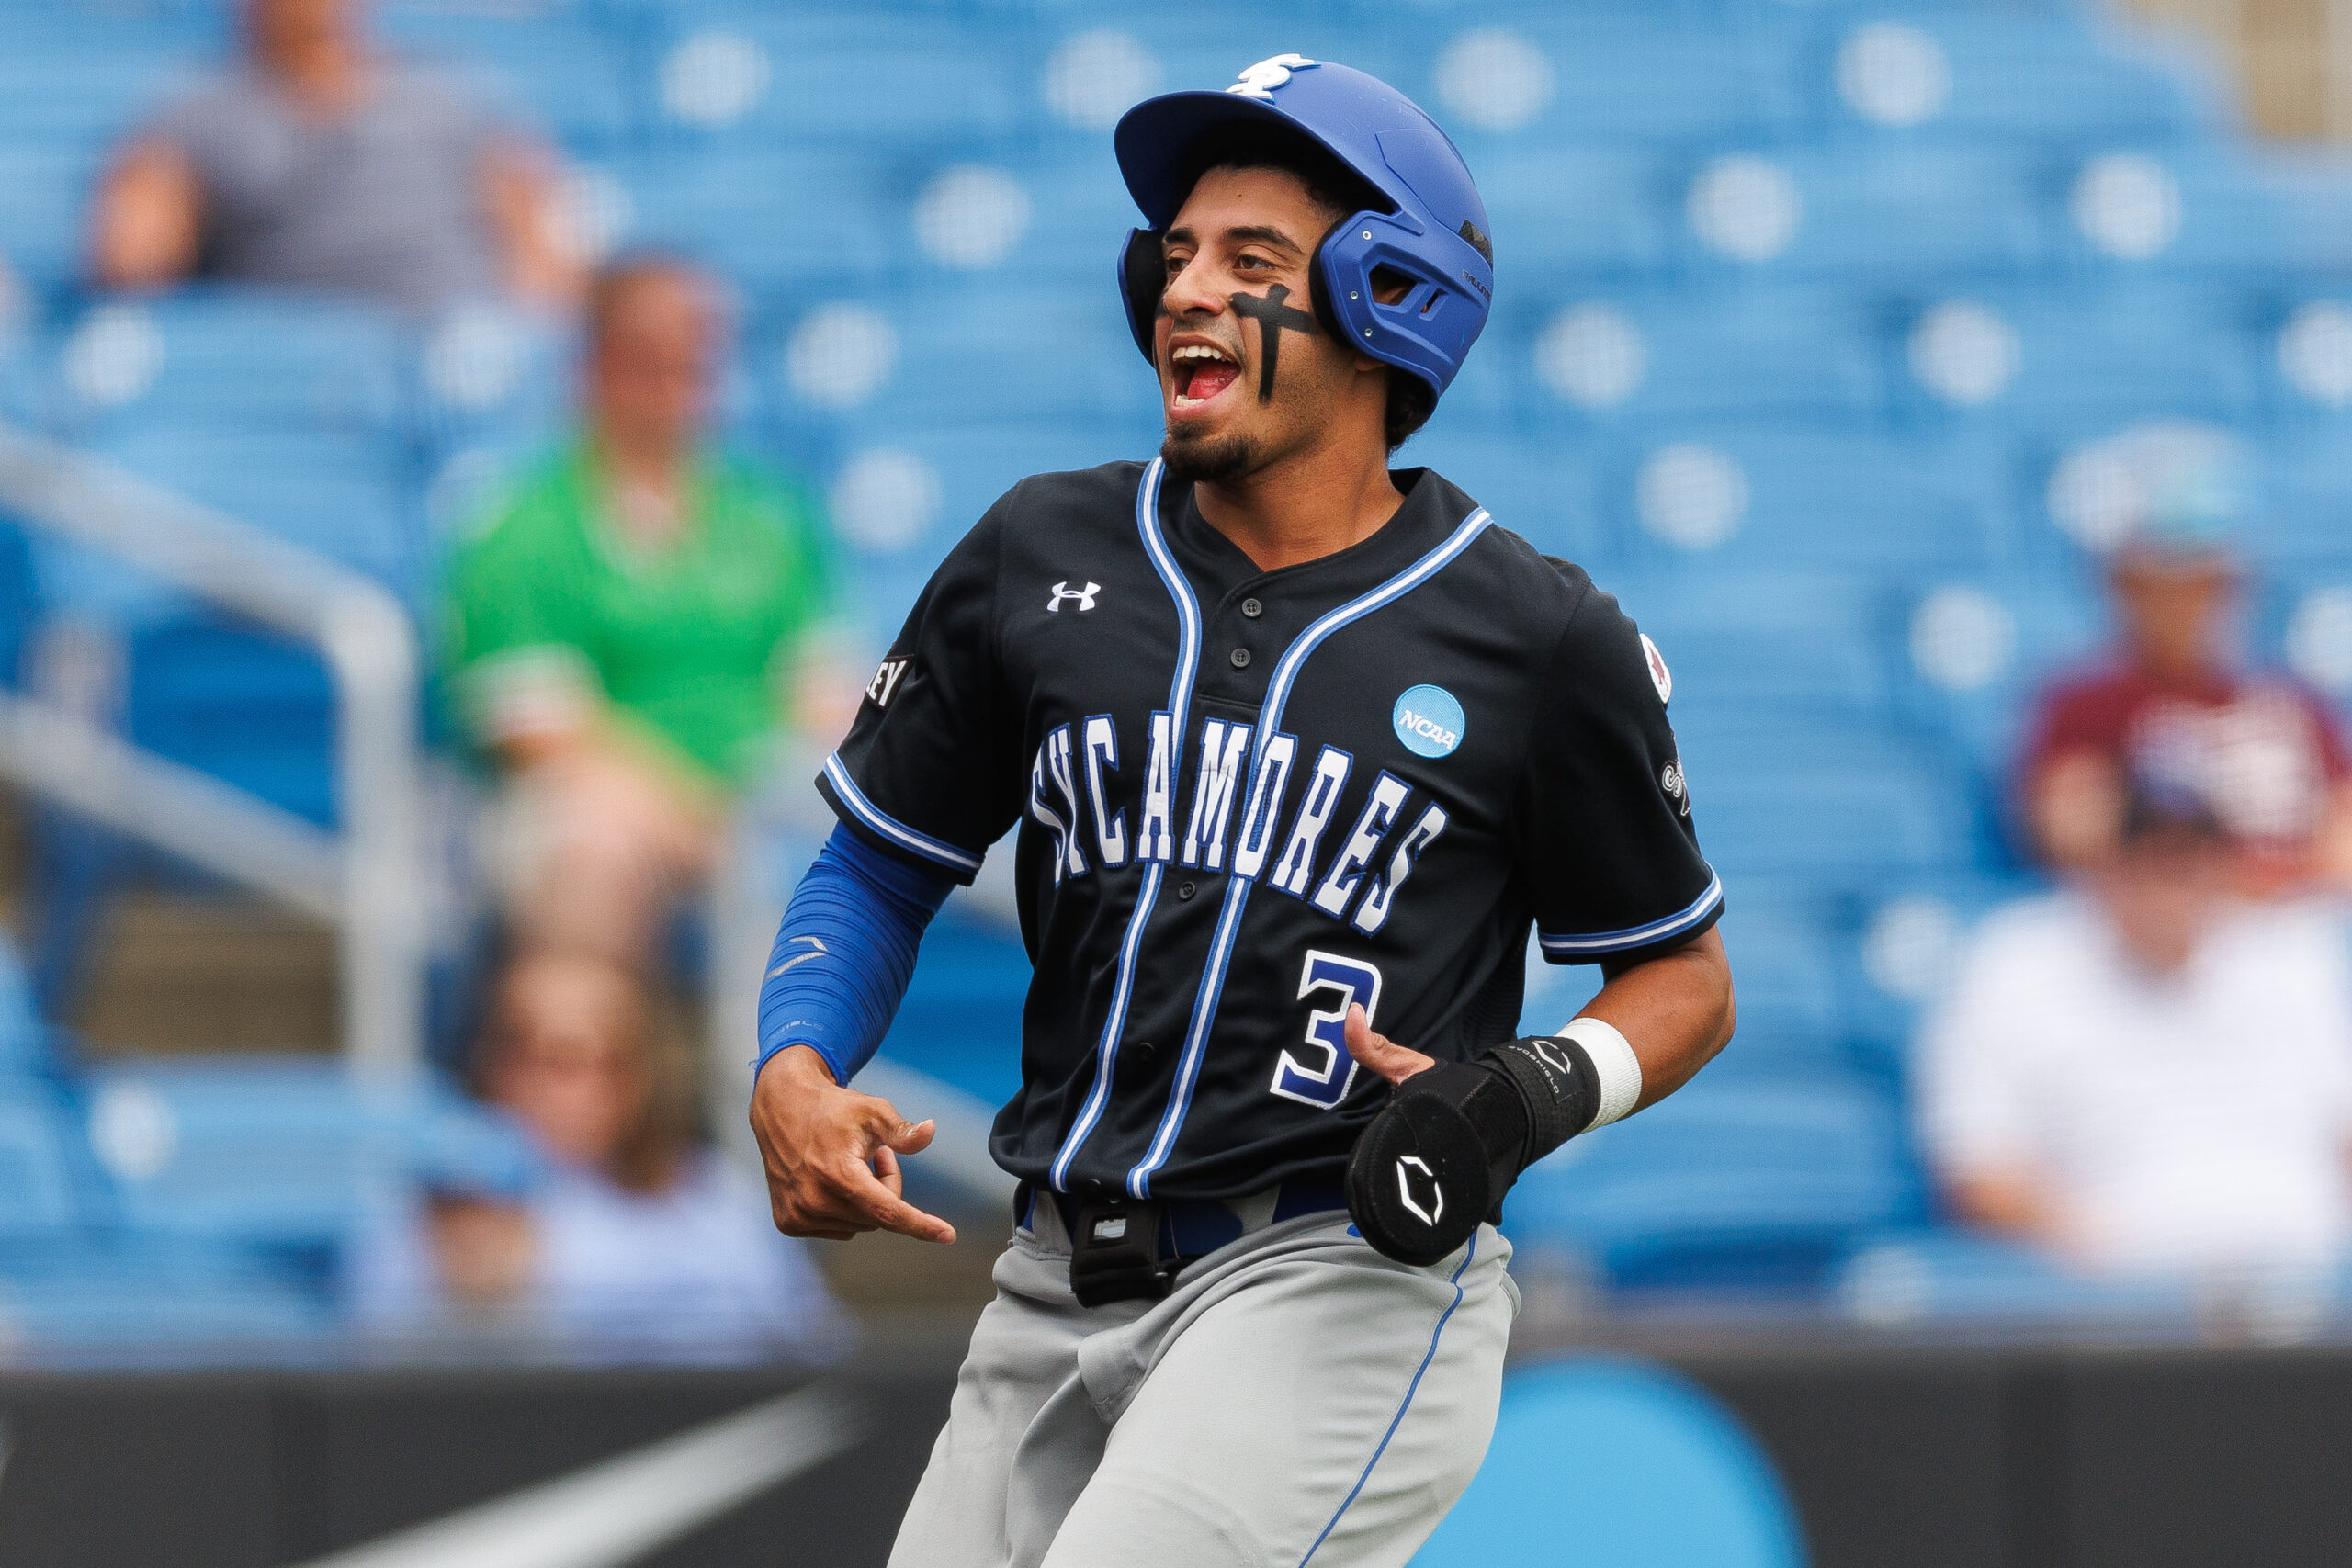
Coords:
1406,1166
1260,80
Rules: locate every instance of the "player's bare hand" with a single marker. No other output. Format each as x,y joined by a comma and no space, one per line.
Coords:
1383,1056
833,1153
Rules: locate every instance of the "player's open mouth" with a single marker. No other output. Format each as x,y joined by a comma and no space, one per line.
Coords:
1200,372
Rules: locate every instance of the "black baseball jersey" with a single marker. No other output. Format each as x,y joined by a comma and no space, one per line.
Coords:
1251,799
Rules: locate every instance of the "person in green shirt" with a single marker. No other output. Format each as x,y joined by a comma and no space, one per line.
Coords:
629,631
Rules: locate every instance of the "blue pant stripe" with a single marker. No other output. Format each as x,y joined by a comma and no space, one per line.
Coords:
1412,1389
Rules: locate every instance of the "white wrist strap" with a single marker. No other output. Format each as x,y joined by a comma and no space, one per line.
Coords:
1614,1062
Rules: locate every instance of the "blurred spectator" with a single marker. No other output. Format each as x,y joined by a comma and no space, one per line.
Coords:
2173,707
2145,1073
630,1240
317,161
631,631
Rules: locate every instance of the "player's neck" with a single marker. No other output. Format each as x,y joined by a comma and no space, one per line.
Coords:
1302,506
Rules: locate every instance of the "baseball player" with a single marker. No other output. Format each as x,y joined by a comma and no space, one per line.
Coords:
1299,748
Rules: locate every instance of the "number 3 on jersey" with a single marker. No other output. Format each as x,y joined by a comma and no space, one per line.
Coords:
1323,1078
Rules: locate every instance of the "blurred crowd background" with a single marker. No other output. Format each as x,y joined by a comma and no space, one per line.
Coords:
1958,391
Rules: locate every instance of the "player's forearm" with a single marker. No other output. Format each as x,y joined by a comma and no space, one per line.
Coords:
845,953
1675,1010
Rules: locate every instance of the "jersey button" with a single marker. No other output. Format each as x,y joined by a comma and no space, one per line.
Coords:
1241,657
1185,890
1252,608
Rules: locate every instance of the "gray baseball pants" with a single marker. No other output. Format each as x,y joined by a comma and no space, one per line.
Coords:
1297,1399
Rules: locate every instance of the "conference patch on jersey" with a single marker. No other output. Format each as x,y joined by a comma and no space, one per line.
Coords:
1428,721
1660,676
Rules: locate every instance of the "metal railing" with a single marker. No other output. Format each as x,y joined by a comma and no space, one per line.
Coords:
368,881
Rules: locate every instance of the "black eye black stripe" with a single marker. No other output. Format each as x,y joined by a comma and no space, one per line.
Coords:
1271,314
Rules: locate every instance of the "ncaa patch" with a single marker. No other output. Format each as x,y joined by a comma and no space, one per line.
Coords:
1660,676
1428,721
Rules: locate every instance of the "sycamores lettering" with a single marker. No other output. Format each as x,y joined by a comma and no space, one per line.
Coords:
1237,810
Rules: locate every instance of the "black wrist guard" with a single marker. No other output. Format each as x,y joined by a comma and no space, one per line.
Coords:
1450,1141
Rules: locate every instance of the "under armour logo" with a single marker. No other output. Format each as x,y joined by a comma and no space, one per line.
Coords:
1260,80
1085,596
1407,1167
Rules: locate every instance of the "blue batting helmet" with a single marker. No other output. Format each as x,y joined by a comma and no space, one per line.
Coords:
1432,229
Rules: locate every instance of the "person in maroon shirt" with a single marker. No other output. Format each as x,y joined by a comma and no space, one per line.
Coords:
2172,713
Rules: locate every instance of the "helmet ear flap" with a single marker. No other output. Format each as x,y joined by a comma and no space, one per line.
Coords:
1143,278
1324,279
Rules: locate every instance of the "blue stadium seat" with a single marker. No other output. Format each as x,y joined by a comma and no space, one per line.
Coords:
1732,1182
971,465
222,358
1837,805
1494,387
1969,654
2302,502
489,377
961,347
1808,496
24,1038
559,66
1784,956
20,369
250,709
139,1296
1909,216
40,1196
1080,213
69,77
1606,210
2063,76
352,499
1584,1451
249,1152
1787,642
1895,944
1541,490
2126,347
771,220
1221,38
845,77
2302,356
1910,1279
1636,73
44,194
2244,214
1699,354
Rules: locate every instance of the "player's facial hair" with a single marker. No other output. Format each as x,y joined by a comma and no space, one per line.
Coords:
1214,460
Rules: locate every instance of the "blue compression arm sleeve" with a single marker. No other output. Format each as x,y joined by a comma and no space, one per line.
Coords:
845,953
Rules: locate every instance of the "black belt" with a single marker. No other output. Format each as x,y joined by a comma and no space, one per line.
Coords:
1130,1249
